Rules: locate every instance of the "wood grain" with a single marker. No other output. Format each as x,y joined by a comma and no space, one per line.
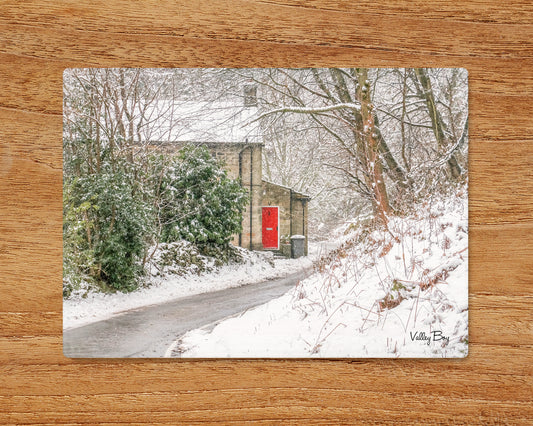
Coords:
492,39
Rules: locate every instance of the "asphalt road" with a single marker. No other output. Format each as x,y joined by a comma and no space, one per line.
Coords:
147,332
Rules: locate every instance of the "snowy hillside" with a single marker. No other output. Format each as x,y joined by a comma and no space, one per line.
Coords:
401,292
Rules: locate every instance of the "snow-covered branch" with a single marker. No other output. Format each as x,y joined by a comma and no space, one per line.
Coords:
310,110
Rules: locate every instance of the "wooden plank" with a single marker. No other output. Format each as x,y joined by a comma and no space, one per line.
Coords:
175,50
464,413
279,404
503,366
516,12
279,23
39,39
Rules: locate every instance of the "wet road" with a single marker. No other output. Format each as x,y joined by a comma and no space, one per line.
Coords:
147,332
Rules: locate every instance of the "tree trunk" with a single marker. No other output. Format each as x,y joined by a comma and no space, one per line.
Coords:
380,201
394,170
437,123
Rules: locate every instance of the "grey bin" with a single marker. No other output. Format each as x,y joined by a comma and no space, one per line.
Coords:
297,246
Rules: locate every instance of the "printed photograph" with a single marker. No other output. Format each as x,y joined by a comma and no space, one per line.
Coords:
265,213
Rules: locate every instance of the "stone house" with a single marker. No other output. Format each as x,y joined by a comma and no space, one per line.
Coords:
275,212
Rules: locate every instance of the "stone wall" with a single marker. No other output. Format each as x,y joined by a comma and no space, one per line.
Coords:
251,171
276,195
300,216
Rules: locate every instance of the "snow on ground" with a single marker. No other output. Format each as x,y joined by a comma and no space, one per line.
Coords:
84,308
402,293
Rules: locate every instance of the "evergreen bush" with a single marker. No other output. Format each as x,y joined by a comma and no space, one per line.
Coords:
108,224
200,203
112,215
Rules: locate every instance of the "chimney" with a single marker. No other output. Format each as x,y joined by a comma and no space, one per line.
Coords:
250,95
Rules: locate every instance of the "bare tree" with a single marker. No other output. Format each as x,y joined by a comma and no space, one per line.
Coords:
444,136
338,105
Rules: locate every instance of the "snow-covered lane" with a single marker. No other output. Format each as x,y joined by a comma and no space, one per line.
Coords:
148,332
94,306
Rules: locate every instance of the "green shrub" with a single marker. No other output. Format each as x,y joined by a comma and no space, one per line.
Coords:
115,222
113,214
200,203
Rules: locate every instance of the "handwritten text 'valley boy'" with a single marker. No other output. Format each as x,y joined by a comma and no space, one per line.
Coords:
434,336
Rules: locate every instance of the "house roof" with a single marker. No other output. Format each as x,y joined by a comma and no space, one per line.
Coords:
294,193
173,120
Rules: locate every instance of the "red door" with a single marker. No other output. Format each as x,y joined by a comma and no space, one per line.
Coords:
270,228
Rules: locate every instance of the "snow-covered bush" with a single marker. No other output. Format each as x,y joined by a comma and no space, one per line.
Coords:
114,214
78,258
183,258
106,222
198,201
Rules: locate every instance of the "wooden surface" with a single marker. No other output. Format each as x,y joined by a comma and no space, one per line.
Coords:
492,39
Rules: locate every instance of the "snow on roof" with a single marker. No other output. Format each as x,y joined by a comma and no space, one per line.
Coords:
176,120
288,188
